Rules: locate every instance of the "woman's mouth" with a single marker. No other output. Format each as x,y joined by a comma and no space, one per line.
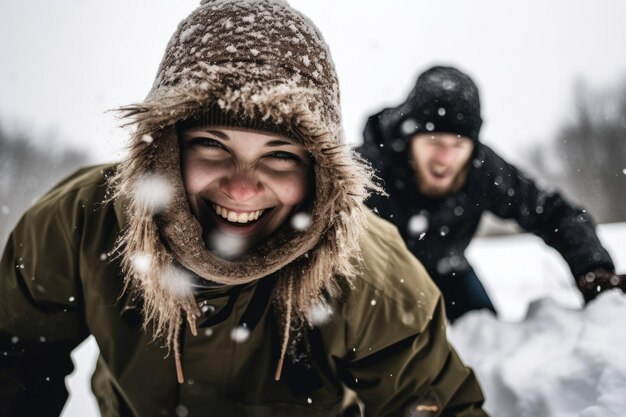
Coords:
242,223
233,216
228,232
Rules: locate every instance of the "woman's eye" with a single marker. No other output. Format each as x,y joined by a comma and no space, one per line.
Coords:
283,159
285,155
206,143
208,147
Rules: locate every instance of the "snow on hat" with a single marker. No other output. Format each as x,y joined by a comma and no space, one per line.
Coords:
263,63
444,99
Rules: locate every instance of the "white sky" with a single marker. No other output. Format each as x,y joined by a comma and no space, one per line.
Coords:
65,62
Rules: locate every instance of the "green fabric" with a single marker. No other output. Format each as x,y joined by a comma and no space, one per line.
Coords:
386,340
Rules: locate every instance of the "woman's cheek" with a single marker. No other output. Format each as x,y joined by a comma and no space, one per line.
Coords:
198,173
293,189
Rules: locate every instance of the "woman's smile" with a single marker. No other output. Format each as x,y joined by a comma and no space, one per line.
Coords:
242,183
234,216
237,222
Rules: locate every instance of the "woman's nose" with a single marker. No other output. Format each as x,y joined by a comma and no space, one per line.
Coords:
241,186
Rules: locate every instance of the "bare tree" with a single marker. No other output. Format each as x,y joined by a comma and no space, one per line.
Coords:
592,152
27,170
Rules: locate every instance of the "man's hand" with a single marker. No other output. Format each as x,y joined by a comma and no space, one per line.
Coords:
598,280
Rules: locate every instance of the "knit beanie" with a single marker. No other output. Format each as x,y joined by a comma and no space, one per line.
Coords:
215,116
256,63
444,100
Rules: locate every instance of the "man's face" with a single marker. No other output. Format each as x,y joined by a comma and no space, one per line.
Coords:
242,184
440,162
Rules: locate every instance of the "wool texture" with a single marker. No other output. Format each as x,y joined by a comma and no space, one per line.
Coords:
444,99
259,60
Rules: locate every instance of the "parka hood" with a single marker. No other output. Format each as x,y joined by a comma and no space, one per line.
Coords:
258,60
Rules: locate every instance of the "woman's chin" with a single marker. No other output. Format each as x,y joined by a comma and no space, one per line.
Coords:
230,240
226,245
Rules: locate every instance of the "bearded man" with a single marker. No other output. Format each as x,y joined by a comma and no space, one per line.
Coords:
441,178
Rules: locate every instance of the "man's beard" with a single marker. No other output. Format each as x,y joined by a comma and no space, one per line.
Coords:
434,191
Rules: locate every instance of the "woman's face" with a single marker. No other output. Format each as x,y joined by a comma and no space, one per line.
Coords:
242,184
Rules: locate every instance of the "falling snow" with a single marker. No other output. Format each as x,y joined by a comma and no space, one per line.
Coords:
181,411
417,224
177,281
207,309
448,84
141,262
408,126
320,314
301,221
227,246
240,334
408,318
154,192
398,145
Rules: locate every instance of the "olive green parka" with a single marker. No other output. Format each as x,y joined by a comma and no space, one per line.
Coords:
336,318
384,339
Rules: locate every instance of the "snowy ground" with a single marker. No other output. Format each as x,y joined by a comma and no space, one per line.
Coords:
543,357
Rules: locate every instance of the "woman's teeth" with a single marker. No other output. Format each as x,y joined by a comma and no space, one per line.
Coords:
237,217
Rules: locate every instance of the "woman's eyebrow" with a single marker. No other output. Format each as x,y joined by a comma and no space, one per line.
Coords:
218,133
277,142
202,132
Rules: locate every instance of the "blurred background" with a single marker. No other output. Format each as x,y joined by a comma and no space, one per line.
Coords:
552,79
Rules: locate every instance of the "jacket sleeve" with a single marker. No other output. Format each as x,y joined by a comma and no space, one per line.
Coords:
420,375
395,354
40,309
568,229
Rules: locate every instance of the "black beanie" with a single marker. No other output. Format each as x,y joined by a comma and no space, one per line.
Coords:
444,100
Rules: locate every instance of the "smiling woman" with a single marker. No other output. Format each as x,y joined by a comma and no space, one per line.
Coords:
233,235
241,184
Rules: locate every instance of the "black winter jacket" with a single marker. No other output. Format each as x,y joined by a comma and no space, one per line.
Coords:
492,185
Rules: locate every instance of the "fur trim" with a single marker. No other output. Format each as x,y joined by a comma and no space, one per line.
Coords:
313,260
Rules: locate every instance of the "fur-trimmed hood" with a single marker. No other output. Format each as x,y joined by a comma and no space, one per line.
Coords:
258,60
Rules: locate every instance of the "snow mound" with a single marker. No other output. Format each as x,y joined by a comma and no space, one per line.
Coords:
557,362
